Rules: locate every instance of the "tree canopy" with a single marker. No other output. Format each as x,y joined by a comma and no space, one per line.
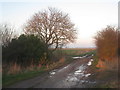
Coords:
52,26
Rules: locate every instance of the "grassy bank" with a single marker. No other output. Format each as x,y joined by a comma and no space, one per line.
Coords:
13,78
9,79
105,78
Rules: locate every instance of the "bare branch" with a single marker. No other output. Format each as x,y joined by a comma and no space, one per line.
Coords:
53,26
6,34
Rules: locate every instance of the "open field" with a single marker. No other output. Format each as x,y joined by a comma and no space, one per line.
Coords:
76,51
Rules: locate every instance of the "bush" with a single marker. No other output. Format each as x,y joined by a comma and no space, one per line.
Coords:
107,43
24,50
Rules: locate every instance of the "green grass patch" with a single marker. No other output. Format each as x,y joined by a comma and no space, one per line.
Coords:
85,53
76,51
95,62
13,78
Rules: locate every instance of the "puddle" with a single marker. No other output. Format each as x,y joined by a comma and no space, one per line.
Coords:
63,68
86,81
66,67
52,72
50,76
91,59
84,56
76,57
79,57
86,75
82,81
89,63
78,71
72,79
80,74
82,67
76,77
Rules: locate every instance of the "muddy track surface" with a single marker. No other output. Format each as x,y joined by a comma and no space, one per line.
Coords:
73,75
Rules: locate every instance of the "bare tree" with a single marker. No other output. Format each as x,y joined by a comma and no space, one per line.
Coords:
6,34
52,26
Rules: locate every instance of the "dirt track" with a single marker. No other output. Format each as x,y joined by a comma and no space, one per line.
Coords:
73,75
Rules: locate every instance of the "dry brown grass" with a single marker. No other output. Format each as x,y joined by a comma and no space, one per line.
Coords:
16,68
108,65
107,48
55,64
106,42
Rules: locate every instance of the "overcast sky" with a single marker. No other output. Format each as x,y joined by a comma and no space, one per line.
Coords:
89,16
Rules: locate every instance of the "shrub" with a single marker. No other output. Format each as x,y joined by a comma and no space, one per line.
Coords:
24,50
107,43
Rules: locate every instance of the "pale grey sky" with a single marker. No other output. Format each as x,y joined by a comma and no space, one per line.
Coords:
89,16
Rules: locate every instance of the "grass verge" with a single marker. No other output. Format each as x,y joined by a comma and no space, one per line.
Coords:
104,78
13,78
